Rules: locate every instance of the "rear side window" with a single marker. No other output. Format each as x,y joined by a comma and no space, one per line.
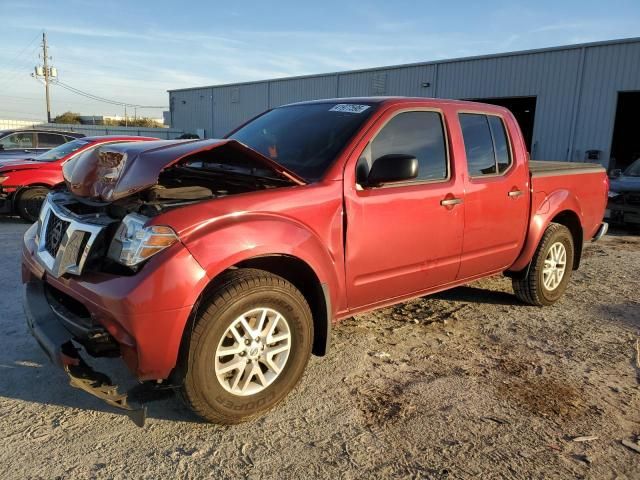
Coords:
485,143
419,134
500,143
50,140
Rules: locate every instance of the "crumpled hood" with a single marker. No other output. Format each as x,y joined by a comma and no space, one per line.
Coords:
112,172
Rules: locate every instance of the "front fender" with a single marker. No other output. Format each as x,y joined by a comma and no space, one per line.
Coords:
232,239
549,207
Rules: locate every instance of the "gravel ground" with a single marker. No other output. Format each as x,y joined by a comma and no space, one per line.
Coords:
468,383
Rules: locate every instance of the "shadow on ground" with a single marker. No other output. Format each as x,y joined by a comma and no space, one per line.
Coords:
477,295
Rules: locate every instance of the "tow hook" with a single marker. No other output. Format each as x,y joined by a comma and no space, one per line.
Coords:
99,385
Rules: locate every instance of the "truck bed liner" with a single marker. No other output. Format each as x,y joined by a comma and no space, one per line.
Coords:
544,168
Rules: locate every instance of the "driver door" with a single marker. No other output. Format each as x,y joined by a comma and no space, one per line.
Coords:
400,238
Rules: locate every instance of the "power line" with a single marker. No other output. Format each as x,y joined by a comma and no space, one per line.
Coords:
102,99
13,59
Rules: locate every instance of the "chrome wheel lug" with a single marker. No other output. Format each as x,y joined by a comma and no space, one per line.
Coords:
247,342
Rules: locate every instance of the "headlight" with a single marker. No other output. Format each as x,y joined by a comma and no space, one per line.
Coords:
613,194
2,179
134,243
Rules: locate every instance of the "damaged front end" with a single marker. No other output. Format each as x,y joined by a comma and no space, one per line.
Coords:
99,229
56,329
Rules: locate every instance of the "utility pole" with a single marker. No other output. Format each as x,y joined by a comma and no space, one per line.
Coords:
45,55
46,72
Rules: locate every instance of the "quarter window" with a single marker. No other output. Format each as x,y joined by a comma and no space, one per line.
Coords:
420,134
50,140
485,143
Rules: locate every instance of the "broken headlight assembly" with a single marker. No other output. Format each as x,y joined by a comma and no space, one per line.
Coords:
134,243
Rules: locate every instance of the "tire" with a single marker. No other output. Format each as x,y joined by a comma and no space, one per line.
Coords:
535,287
238,293
29,203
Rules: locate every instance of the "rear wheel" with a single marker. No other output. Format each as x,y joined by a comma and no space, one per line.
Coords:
29,203
550,268
249,347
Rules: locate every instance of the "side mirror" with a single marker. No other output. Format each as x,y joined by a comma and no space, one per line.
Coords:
615,173
394,167
1,146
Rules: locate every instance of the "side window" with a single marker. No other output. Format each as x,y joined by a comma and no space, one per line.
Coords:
478,144
503,154
50,140
17,140
485,143
420,134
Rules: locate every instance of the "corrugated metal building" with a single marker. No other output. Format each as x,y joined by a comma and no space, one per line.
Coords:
573,102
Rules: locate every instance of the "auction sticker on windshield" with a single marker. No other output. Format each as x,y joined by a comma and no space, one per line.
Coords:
349,108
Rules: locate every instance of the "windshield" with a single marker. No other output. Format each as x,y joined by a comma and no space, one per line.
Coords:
61,151
304,138
634,169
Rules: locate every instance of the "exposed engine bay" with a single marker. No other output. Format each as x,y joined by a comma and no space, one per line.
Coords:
100,219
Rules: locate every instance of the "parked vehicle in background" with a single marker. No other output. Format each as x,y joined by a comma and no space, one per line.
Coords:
624,196
24,184
32,142
216,267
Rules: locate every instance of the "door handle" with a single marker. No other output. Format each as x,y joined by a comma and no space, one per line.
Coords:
449,202
515,193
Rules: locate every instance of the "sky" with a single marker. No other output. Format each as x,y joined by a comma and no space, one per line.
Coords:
134,51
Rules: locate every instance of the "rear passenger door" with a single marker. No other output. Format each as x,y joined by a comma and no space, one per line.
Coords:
400,238
496,196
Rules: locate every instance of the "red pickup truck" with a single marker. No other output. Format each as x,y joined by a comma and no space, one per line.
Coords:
216,267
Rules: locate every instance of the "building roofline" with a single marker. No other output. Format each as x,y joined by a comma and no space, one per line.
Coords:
573,46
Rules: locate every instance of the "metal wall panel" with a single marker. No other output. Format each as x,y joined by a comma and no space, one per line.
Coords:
192,110
576,89
301,89
607,71
549,76
404,81
235,105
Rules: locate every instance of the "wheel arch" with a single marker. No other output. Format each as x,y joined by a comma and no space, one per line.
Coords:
560,207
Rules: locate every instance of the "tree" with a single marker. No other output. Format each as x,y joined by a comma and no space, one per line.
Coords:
68,117
134,122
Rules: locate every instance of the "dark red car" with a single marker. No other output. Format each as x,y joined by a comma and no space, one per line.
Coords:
24,183
216,267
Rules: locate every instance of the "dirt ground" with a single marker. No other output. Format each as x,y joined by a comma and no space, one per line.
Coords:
468,383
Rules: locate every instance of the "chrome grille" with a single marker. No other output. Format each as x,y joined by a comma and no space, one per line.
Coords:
64,240
55,232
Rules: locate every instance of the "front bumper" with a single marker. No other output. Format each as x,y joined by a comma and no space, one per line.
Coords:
624,209
57,343
6,205
145,313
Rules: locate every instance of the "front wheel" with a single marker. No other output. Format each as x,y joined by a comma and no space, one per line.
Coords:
550,269
249,347
29,203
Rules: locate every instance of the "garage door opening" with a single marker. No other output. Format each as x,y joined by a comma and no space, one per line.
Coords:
625,146
523,108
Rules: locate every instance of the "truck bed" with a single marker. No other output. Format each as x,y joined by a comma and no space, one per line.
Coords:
544,168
